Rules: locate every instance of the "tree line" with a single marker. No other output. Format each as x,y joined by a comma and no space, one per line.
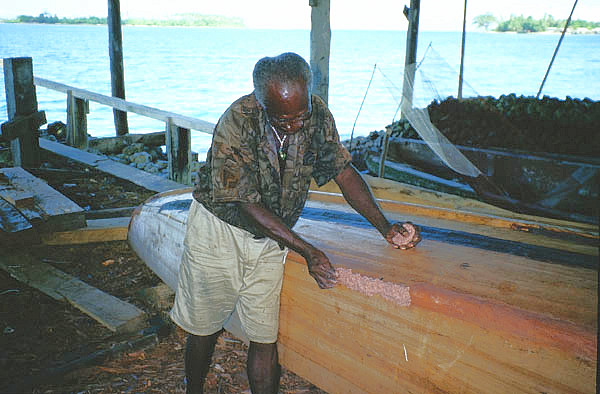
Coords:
177,20
521,24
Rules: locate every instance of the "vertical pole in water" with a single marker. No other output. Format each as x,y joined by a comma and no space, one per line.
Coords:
462,54
320,41
117,79
412,14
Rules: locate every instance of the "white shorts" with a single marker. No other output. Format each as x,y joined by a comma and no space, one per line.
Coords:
227,278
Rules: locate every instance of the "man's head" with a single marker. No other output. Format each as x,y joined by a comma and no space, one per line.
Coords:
282,85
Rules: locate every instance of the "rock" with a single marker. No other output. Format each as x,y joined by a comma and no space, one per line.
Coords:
133,148
141,158
162,164
151,168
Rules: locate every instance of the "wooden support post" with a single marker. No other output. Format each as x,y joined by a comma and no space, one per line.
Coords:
179,153
117,78
24,118
462,53
320,41
384,150
77,110
412,14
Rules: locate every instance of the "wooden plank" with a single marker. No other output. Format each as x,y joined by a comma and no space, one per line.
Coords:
52,210
97,230
479,225
16,197
560,291
105,164
393,349
187,122
115,314
11,220
437,204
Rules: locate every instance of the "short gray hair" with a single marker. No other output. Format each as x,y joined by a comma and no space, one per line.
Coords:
286,67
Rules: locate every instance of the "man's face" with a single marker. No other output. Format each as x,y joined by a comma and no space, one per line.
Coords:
288,106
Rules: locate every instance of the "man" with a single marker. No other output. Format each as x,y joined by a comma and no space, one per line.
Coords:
265,149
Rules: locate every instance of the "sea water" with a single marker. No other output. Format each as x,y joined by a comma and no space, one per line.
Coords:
199,72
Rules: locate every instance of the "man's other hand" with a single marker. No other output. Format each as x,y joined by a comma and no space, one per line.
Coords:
321,269
403,235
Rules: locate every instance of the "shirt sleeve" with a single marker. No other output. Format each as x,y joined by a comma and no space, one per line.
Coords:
332,156
233,162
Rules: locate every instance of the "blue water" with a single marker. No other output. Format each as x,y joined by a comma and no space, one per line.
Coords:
199,72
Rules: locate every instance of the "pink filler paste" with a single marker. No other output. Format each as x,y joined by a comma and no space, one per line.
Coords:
372,286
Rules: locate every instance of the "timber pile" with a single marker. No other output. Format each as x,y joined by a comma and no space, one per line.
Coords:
28,201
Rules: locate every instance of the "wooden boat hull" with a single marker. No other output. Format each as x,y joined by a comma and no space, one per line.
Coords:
531,178
480,320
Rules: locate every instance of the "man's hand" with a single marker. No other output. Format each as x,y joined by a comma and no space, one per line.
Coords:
321,269
403,236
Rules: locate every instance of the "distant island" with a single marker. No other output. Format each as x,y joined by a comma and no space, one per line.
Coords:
196,20
521,24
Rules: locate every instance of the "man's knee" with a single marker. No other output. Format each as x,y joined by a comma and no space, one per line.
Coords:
202,341
264,347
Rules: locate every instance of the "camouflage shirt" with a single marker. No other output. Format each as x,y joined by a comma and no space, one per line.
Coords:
243,166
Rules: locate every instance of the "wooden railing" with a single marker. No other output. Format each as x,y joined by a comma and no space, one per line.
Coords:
177,127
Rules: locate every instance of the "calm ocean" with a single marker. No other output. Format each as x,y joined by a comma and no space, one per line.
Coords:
199,72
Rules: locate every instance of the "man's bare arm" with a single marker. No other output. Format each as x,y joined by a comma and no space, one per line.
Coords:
319,266
359,196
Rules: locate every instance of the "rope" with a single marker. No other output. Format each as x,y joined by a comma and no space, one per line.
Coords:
361,105
556,50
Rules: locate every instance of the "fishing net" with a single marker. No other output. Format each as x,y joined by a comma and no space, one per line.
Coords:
416,94
432,81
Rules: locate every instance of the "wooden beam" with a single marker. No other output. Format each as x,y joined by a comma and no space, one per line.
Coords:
462,53
11,220
320,42
21,101
97,230
112,145
410,59
103,163
115,49
115,314
77,110
51,211
187,122
20,126
179,153
17,197
425,202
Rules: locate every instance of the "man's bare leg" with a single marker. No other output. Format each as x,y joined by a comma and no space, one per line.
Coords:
263,368
198,355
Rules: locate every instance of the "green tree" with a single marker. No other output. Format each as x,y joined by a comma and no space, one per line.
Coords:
485,20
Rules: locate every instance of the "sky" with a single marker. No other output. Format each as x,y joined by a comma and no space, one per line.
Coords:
436,15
